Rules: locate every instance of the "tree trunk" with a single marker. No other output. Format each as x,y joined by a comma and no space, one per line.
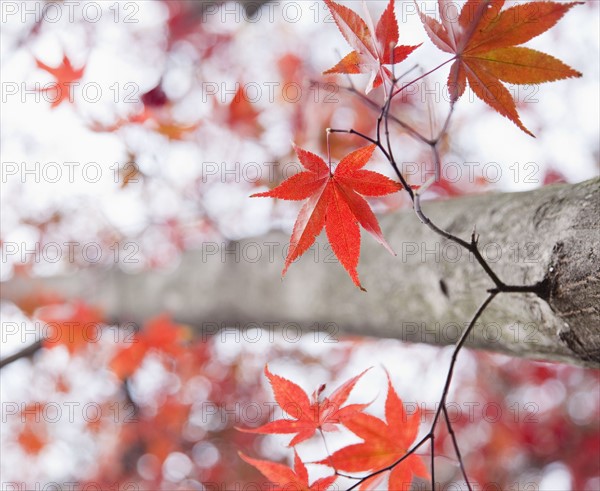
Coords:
427,293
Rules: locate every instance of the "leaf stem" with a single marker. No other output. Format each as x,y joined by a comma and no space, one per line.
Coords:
394,94
328,132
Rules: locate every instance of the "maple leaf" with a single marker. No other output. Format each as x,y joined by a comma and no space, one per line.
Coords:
484,39
334,203
65,75
285,478
384,443
311,415
370,52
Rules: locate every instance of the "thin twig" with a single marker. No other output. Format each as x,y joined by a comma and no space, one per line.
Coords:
394,464
455,444
27,352
422,76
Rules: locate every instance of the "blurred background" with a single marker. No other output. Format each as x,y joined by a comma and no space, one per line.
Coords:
132,132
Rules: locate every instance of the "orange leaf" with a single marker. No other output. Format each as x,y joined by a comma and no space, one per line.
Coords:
65,75
370,52
484,42
336,203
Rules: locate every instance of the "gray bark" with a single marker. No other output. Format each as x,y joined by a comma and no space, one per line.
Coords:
427,293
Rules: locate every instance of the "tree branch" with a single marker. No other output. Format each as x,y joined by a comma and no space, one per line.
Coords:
547,237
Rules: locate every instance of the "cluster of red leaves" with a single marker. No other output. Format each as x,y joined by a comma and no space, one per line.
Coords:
155,428
159,427
180,421
482,38
156,109
76,325
384,442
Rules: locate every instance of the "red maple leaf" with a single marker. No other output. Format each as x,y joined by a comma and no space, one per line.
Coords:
311,415
370,52
384,443
286,479
334,203
65,76
484,40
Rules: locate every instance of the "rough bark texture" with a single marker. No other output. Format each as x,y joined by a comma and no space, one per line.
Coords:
427,293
